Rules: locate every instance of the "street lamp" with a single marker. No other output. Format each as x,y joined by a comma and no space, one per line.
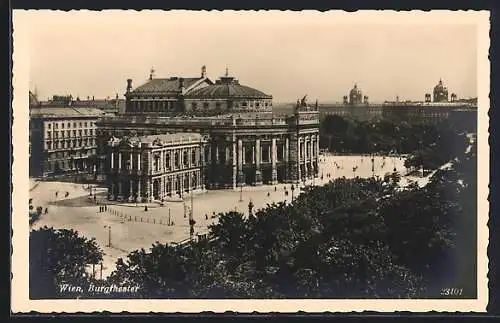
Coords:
250,208
109,234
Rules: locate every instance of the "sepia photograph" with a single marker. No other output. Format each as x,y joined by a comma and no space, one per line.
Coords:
250,161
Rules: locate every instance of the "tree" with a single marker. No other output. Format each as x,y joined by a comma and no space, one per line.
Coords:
58,257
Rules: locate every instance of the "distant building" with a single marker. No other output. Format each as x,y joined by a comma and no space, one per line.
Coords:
428,111
63,140
156,166
107,105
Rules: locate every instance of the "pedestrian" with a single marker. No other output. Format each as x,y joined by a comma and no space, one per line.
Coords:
57,193
105,207
275,188
46,210
268,194
95,198
206,216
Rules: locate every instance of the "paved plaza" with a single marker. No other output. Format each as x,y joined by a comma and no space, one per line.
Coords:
133,228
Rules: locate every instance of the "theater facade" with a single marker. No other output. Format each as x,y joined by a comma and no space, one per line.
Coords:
241,141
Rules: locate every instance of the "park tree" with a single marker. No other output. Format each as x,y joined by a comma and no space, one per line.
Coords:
59,257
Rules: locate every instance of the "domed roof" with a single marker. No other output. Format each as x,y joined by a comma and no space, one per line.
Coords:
355,90
226,88
440,86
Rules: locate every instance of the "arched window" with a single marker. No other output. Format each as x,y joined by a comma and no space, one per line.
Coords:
194,182
167,160
176,159
193,157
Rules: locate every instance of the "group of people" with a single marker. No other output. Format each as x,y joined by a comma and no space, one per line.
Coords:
65,194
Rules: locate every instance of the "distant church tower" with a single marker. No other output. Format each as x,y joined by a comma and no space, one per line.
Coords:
440,93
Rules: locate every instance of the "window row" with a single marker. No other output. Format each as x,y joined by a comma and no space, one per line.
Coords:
75,143
68,124
69,133
176,160
152,106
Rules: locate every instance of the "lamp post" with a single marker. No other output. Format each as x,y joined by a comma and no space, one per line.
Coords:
109,234
421,157
394,160
241,192
292,189
250,208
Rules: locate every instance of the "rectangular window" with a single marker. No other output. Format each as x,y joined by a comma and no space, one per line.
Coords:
62,126
85,124
205,105
69,125
74,124
49,125
194,106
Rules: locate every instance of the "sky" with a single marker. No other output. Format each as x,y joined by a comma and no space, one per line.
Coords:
284,54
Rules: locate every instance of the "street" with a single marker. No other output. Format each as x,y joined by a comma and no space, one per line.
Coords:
130,227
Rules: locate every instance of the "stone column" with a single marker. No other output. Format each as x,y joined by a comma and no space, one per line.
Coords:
112,193
181,158
150,163
139,188
298,161
112,161
241,178
131,161
235,161
316,157
119,161
287,150
161,190
190,181
120,190
258,173
149,186
139,161
274,172
311,158
131,191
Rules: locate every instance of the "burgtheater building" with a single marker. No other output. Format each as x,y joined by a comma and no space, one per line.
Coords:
234,138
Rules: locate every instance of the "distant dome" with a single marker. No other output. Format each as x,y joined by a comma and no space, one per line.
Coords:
440,86
440,92
355,90
227,88
355,95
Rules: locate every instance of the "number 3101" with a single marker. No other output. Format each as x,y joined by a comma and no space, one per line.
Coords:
451,291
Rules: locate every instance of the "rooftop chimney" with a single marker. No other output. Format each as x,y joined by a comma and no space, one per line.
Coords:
129,85
203,71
